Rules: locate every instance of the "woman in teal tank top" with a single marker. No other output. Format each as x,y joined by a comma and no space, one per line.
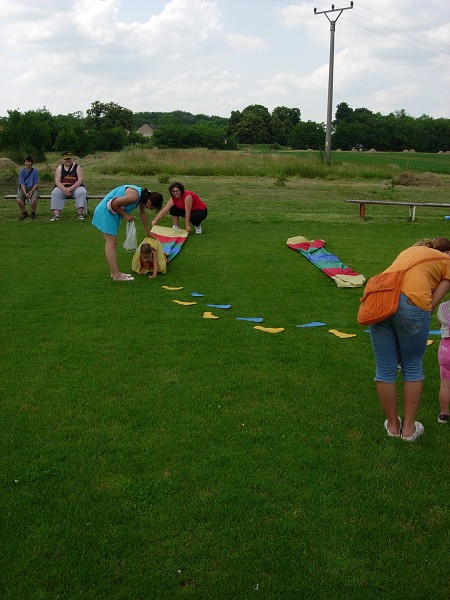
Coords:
116,206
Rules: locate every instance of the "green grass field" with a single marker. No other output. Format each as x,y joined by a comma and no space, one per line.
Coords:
149,453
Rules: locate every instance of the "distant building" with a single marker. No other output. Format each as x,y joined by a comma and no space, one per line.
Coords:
146,130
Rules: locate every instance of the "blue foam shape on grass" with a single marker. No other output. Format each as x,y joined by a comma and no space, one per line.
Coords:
313,324
197,295
220,305
252,319
435,332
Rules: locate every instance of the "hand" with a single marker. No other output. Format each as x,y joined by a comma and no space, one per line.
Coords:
154,222
128,218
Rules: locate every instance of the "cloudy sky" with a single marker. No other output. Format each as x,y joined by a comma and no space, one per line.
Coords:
215,56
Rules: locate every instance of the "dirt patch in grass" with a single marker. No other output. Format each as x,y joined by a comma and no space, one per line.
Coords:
418,179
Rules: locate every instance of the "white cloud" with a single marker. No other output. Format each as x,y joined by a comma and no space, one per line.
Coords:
215,56
244,42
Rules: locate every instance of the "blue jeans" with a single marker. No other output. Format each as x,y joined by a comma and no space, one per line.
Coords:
401,338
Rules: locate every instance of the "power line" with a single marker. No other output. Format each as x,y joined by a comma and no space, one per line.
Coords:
405,43
438,50
405,27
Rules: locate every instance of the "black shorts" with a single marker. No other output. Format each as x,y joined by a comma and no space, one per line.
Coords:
197,216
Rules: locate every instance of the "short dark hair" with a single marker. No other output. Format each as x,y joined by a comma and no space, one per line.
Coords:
146,249
28,158
178,185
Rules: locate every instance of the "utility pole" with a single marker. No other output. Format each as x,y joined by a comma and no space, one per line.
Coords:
330,74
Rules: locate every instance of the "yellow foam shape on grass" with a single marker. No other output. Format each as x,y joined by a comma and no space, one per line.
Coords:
430,342
209,315
269,329
339,334
166,287
184,303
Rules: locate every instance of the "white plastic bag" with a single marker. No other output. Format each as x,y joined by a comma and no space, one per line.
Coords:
130,242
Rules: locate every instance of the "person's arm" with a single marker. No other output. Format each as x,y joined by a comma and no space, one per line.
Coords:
58,179
23,187
163,212
131,195
188,208
441,289
143,217
155,264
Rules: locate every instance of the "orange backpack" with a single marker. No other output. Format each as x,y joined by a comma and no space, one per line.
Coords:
382,293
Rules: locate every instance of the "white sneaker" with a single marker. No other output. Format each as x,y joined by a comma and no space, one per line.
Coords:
198,229
175,227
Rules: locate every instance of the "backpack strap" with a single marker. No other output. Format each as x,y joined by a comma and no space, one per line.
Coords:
418,262
26,178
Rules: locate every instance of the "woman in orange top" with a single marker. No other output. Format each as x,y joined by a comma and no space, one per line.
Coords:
403,336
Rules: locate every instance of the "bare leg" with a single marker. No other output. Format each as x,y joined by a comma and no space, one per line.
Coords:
175,221
412,392
21,204
387,392
444,396
111,257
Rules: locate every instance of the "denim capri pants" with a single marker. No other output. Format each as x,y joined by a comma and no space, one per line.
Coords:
401,338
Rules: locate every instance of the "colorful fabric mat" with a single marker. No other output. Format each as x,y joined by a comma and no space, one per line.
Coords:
168,244
328,263
171,240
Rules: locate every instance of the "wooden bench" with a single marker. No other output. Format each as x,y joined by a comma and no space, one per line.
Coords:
48,196
411,205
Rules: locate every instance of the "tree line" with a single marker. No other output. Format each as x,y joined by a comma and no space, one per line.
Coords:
110,127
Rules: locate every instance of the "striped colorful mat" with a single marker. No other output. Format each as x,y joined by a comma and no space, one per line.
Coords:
318,255
172,240
168,244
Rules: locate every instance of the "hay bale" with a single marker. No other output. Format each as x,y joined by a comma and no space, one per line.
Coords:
405,150
418,179
372,150
6,163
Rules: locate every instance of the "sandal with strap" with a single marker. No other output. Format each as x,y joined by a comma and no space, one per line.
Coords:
123,277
